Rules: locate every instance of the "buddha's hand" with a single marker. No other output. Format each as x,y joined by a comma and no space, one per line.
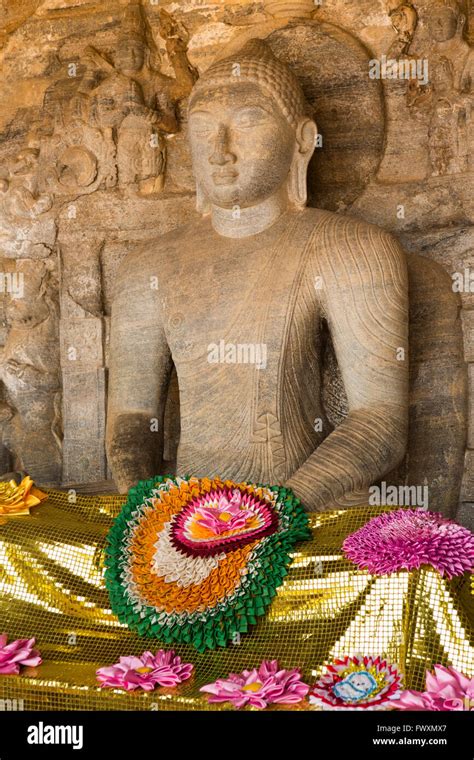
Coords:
313,499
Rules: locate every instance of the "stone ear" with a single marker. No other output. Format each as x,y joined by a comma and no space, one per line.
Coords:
306,134
461,22
202,202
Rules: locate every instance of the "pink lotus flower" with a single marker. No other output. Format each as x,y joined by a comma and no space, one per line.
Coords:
408,539
145,672
222,520
446,690
17,653
259,688
229,514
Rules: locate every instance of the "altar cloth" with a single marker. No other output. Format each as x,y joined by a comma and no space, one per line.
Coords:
52,588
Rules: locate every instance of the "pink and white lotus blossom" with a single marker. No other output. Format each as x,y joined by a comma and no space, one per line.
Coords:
17,653
227,514
259,687
145,672
223,520
446,690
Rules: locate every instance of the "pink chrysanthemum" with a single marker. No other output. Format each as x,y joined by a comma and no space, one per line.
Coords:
446,690
145,672
259,687
357,683
408,539
17,653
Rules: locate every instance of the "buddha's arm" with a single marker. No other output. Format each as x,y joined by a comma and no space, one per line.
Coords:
140,368
365,298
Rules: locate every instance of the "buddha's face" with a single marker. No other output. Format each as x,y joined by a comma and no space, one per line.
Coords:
130,56
242,146
443,22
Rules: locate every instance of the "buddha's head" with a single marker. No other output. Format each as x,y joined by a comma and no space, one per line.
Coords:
446,20
249,131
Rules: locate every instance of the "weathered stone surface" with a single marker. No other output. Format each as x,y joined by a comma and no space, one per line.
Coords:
81,344
438,386
468,333
465,515
84,426
85,419
467,493
470,440
453,248
29,367
85,162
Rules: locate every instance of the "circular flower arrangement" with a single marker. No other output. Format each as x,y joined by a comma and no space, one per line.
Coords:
196,561
408,539
357,683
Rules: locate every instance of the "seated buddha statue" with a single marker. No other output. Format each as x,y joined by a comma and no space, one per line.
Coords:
241,307
239,302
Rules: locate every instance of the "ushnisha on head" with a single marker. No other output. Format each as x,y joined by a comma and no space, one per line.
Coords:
445,20
250,134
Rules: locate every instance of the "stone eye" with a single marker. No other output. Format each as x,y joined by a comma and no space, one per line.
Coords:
201,125
249,117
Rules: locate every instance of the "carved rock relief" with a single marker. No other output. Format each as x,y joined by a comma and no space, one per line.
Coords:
102,130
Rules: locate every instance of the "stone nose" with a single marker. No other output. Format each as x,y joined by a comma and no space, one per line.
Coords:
220,153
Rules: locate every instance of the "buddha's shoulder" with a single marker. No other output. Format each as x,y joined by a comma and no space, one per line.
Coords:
149,258
342,227
350,237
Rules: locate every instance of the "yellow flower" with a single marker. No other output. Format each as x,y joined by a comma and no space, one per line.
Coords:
18,499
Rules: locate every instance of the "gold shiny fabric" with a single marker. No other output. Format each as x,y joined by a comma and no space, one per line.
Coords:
52,588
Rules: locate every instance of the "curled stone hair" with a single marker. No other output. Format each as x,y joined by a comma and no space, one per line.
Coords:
454,5
255,63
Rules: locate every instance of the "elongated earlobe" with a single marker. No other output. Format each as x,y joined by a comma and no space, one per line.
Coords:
297,191
306,134
202,203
